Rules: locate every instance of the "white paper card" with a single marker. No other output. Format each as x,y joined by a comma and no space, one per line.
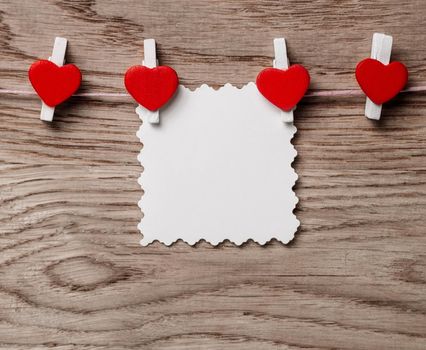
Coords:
217,167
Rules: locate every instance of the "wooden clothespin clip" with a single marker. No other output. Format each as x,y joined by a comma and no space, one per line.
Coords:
58,57
283,85
380,50
151,85
281,62
150,61
53,81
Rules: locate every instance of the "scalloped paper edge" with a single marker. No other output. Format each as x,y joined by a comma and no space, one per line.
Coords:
260,239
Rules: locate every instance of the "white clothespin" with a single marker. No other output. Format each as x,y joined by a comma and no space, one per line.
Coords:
150,61
380,50
58,57
281,62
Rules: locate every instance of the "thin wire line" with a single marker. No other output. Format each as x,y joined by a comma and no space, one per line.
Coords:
311,93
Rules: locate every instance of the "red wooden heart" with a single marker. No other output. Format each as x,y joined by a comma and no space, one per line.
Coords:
151,87
381,82
283,88
52,83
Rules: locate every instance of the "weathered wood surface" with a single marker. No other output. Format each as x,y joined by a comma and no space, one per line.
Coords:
72,273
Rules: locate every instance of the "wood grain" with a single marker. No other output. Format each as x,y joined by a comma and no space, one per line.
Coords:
72,273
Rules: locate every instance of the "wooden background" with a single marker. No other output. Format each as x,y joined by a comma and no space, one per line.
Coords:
72,273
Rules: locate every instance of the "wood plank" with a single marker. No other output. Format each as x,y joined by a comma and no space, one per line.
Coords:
72,273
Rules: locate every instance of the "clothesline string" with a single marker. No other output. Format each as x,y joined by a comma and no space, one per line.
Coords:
311,93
